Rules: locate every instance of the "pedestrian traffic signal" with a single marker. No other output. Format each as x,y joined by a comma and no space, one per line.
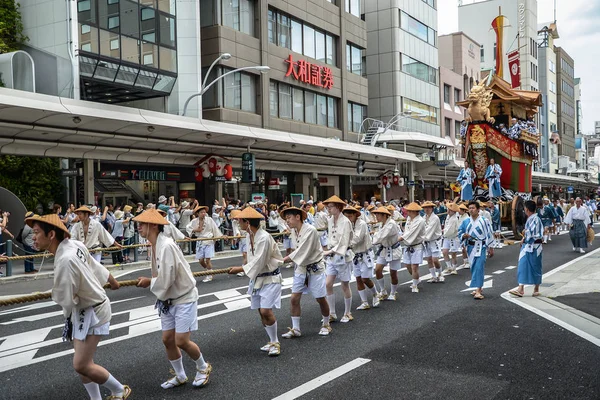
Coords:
360,167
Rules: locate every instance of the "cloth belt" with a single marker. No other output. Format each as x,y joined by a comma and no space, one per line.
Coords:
358,257
271,273
164,305
67,333
412,249
537,241
310,268
472,242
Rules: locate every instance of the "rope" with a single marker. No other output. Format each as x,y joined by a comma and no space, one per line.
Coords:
132,282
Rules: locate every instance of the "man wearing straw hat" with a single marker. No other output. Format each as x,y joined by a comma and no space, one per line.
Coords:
174,286
476,234
204,227
338,256
262,268
321,223
91,233
431,244
451,243
389,251
309,271
412,238
78,289
363,257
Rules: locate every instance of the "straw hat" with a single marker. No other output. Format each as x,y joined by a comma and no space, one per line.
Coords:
49,219
151,216
413,207
84,209
463,207
285,210
127,208
453,207
350,209
200,208
334,200
250,213
382,210
371,206
119,214
234,214
30,214
320,206
391,208
358,207
428,204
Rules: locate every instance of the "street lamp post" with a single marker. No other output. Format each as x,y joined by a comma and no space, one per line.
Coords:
205,87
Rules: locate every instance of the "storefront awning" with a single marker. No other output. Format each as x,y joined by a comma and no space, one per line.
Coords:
41,125
413,142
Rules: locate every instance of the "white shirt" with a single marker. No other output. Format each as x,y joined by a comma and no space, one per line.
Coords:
209,230
172,231
388,236
308,249
321,220
414,231
95,235
263,256
339,236
451,226
433,228
581,213
361,240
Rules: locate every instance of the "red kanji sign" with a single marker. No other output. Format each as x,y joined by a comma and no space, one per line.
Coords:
312,74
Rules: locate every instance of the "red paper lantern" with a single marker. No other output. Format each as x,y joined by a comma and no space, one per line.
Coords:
212,165
396,180
198,174
228,172
384,180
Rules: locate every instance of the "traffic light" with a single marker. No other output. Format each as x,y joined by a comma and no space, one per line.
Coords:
360,167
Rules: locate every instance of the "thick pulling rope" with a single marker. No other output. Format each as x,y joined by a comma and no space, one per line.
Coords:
130,282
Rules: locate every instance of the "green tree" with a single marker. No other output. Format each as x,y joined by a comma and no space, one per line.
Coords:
11,27
34,180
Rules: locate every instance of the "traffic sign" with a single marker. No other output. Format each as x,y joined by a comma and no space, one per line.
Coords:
410,183
570,189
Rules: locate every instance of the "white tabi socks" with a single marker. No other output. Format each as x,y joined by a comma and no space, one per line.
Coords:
115,387
348,305
272,332
331,302
178,367
363,295
93,390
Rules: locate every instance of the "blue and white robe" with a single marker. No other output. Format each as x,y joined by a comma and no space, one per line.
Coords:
466,176
493,174
481,232
529,271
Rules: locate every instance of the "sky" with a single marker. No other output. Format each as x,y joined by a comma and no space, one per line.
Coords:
577,22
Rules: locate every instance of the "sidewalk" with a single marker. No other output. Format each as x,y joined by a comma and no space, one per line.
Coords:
567,292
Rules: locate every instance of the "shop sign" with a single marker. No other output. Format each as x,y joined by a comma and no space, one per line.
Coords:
69,172
220,179
258,197
471,50
248,168
312,74
273,184
322,179
522,20
184,194
109,174
570,189
147,175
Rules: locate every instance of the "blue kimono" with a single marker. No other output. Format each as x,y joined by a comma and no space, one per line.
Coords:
496,218
546,215
466,177
492,174
529,271
441,210
482,236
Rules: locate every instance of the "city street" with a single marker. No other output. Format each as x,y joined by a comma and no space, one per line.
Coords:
439,343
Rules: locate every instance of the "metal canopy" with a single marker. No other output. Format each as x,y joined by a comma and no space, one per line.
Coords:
413,142
41,125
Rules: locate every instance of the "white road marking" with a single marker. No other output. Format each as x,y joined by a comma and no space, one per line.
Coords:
486,284
323,379
511,267
500,271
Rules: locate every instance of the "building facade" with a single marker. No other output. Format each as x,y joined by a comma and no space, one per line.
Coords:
566,107
451,92
402,63
475,20
581,158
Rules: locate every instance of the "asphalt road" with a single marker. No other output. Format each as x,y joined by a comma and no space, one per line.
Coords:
439,343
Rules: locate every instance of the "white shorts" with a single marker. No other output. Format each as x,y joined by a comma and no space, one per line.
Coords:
287,243
243,246
432,249
337,266
205,251
316,285
99,330
452,244
414,257
323,239
394,264
181,317
268,296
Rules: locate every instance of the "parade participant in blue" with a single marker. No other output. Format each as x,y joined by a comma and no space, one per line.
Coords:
493,174
529,271
263,270
388,251
496,223
560,216
466,177
338,256
578,219
441,211
547,216
463,214
476,233
363,257
174,286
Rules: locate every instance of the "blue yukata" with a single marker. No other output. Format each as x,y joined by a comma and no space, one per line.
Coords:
466,176
529,271
496,218
492,174
546,215
441,209
482,236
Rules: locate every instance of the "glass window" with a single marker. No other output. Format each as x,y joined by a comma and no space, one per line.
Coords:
419,70
420,111
330,44
86,11
446,94
113,22
332,112
127,75
310,107
348,57
456,95
231,14
248,92
83,5
207,16
167,6
148,59
431,36
233,95
356,60
129,19
357,117
167,31
273,99
285,101
447,126
309,41
321,110
456,129
130,50
168,59
283,29
85,29
272,26
353,7
109,44
88,41
150,54
320,46
481,54
247,17
418,28
296,36
298,105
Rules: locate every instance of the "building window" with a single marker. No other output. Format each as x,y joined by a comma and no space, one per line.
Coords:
419,70
353,7
456,129
552,87
552,107
481,54
235,91
447,89
234,14
552,66
456,96
567,88
290,102
417,28
420,111
430,2
447,126
356,115
495,50
354,59
301,38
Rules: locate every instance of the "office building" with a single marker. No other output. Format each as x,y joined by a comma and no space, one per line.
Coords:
565,90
